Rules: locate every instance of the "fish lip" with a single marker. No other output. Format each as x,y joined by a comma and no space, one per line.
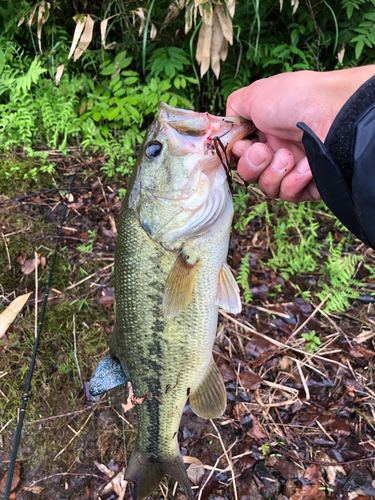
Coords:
237,128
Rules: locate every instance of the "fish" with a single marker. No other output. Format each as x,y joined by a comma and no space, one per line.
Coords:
171,277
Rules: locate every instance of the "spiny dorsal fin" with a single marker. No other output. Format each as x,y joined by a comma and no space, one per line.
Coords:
108,374
179,286
228,293
210,399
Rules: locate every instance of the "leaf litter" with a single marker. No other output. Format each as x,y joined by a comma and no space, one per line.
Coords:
298,424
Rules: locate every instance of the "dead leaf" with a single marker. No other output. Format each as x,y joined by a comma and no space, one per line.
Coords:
195,472
129,405
31,20
256,430
250,380
118,483
225,23
15,479
172,13
30,265
81,21
85,38
43,13
139,401
9,314
141,13
103,28
203,53
59,72
216,41
37,490
227,373
311,491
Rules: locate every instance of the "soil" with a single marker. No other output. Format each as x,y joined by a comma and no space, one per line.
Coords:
297,425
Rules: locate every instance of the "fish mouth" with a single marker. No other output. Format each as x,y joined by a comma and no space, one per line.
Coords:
221,130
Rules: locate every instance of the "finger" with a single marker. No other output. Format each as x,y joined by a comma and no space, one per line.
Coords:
254,161
240,147
294,186
233,101
281,165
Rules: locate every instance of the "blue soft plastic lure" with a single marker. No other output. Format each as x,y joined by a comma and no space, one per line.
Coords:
108,374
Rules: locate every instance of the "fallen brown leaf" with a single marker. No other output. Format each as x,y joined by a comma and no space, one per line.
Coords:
15,479
9,314
311,491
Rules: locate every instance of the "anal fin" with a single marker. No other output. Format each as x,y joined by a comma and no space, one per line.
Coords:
179,286
210,399
228,293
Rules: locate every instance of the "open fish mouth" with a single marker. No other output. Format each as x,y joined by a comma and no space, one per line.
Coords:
202,131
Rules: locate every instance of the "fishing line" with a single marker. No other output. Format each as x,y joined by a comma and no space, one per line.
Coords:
25,396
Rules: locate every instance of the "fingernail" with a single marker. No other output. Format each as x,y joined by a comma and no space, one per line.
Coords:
281,163
303,166
255,157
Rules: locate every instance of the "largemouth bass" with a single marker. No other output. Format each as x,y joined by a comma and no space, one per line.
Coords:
171,277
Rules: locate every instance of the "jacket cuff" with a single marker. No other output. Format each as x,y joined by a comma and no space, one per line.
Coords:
344,166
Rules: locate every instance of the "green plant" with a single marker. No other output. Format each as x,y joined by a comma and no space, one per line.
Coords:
312,341
88,246
243,277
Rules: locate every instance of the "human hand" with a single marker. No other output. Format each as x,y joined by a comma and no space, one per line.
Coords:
276,160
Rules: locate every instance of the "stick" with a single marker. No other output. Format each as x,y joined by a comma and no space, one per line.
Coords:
75,435
87,278
75,350
230,463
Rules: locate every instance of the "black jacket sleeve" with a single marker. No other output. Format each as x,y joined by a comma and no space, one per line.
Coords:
344,166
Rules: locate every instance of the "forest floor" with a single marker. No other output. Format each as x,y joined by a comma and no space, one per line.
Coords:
299,422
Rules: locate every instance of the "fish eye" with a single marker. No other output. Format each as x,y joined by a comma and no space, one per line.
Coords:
153,149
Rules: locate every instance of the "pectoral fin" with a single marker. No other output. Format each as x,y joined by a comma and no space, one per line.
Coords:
108,374
179,286
228,293
210,399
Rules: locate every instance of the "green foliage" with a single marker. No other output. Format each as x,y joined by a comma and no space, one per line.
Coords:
296,249
312,341
340,270
243,278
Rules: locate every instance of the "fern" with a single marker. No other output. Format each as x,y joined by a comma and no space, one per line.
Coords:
339,270
243,278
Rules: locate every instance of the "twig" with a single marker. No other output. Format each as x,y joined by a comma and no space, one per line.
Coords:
7,251
284,347
75,435
75,350
28,488
318,308
304,383
6,425
230,463
66,414
213,470
268,311
352,462
87,277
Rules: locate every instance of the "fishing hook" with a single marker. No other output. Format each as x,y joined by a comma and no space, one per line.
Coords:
217,143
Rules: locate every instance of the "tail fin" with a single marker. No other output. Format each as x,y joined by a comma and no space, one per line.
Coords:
145,474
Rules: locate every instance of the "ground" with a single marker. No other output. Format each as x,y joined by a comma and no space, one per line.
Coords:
300,418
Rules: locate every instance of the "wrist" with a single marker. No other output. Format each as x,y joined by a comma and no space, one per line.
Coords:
342,84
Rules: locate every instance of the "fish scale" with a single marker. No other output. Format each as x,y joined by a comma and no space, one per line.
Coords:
163,356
